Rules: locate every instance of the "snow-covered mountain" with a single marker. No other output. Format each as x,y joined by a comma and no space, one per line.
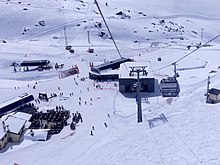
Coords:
143,30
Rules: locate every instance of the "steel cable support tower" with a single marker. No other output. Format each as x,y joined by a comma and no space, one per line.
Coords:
107,28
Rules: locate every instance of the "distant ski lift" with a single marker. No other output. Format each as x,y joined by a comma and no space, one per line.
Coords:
169,87
68,47
90,50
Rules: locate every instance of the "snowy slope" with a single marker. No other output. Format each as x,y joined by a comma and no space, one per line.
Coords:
191,135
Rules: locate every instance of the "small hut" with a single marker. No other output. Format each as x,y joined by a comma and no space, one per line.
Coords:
213,96
16,125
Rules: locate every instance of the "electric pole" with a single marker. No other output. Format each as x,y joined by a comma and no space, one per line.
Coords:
139,96
175,73
107,28
202,34
88,37
207,93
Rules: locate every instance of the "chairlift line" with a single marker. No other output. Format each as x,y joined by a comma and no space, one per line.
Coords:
186,54
197,49
107,28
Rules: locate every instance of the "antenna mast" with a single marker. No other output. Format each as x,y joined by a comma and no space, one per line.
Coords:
107,27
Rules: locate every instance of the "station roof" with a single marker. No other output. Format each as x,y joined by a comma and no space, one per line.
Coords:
35,63
106,72
22,115
15,124
127,67
12,100
16,121
214,91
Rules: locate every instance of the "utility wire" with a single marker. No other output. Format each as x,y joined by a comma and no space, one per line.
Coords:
107,28
203,45
197,49
162,68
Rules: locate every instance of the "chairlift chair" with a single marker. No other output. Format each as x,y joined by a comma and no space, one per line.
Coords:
169,87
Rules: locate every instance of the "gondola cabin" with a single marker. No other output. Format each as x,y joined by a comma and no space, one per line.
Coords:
169,87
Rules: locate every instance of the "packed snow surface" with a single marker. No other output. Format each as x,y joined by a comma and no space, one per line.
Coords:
144,31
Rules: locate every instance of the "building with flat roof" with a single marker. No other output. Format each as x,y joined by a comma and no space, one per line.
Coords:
14,103
35,63
128,78
16,125
12,127
107,70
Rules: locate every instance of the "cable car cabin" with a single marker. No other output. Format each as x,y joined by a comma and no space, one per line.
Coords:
169,87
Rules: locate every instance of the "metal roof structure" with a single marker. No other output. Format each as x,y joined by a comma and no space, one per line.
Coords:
214,91
15,124
15,102
16,121
114,64
35,63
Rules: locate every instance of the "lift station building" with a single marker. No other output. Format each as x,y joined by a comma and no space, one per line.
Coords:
107,70
128,78
14,103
